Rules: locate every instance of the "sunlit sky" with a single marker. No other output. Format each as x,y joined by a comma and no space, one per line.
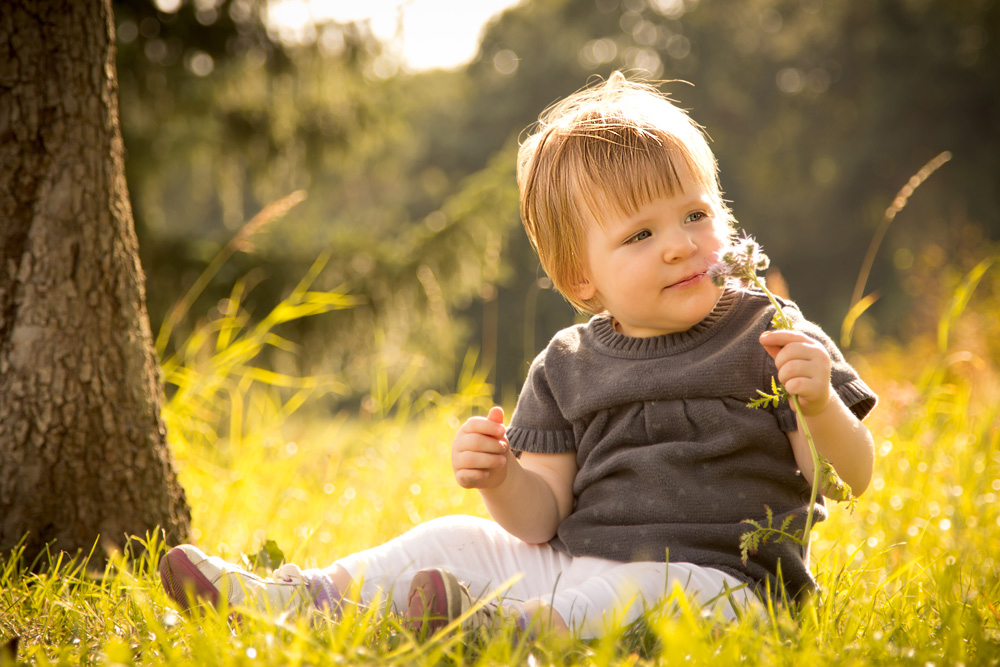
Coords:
425,34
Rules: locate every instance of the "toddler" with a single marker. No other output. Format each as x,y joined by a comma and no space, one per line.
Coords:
631,458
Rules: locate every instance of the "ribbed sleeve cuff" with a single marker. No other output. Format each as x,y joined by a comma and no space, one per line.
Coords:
857,396
540,442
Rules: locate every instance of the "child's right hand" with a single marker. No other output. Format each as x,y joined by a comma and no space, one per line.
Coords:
480,452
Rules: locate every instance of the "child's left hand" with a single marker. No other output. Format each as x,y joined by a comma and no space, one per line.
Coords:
803,367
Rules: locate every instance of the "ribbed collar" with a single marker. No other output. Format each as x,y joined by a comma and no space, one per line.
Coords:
609,341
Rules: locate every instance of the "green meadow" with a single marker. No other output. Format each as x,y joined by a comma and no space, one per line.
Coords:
311,403
910,577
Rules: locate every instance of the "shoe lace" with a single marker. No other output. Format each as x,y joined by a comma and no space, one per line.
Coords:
482,617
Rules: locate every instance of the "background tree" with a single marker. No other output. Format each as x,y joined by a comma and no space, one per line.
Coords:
82,443
819,111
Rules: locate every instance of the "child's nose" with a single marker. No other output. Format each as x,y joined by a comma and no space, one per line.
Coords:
678,246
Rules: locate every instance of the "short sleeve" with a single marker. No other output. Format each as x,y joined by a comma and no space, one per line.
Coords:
850,388
538,425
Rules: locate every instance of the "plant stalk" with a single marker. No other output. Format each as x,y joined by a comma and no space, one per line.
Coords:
817,469
794,400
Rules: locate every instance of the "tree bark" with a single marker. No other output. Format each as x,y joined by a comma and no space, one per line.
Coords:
83,451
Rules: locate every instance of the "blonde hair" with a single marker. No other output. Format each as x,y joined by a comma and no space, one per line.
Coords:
607,149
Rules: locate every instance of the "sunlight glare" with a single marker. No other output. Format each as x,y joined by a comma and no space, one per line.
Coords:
423,34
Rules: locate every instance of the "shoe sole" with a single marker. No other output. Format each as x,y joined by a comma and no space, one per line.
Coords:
435,600
181,579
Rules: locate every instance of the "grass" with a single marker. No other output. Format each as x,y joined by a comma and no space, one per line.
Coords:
912,577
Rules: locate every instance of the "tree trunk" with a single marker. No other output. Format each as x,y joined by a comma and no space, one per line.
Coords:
83,450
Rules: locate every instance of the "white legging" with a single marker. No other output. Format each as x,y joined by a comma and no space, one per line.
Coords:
588,593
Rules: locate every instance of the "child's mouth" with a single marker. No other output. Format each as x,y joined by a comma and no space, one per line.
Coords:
693,279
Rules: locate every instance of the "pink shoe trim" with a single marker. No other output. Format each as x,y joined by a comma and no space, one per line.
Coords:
427,607
180,577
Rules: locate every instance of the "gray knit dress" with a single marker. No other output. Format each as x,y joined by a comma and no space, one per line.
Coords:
671,460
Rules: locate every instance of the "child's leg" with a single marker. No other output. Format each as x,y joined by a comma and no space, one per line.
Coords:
477,551
595,593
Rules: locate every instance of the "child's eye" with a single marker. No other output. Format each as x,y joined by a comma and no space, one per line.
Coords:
644,234
696,216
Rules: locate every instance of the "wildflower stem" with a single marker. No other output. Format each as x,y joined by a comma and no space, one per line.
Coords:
817,468
782,319
742,261
782,322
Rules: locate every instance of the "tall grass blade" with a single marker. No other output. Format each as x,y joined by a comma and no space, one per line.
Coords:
856,311
897,205
959,300
241,241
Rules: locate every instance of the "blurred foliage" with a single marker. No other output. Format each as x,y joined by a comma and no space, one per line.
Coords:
820,110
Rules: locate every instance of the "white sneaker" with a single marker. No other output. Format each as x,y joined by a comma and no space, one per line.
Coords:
187,572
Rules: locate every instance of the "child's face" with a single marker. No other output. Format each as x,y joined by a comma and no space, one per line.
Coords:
649,269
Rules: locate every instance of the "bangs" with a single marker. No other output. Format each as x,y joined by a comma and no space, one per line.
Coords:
617,170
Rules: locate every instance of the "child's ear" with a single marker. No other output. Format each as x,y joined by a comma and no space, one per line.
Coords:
583,289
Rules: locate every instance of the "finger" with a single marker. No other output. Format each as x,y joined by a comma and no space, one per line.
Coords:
479,461
491,426
807,359
803,387
800,355
471,479
800,369
483,443
478,452
782,337
485,426
496,414
774,341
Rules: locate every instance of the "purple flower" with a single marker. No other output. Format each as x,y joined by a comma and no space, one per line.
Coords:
741,261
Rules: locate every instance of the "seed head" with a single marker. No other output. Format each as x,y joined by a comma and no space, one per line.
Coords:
741,261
